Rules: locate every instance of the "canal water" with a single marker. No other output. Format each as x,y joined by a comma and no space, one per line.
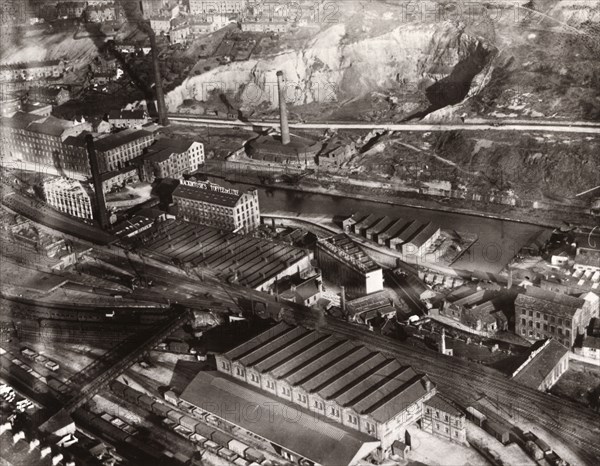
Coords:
498,240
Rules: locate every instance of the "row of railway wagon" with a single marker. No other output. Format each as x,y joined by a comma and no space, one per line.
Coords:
200,432
507,433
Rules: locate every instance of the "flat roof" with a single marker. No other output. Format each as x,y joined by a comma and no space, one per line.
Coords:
542,364
335,368
301,431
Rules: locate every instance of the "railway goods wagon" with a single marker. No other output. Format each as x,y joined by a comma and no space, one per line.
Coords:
227,454
476,416
533,450
237,447
188,423
175,416
147,445
204,430
239,461
146,402
109,430
212,446
118,387
131,395
543,446
160,409
254,455
55,384
555,460
221,438
499,430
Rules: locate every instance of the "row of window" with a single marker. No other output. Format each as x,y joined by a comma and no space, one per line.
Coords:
301,398
547,318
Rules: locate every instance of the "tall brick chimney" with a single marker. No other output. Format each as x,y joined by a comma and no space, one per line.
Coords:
101,213
283,118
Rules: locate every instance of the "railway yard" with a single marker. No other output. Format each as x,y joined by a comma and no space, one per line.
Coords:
113,342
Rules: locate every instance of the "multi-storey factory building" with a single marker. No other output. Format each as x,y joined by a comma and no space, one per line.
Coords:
345,382
171,158
342,261
70,196
210,204
541,314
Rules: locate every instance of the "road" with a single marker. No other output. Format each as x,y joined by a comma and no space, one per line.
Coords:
518,125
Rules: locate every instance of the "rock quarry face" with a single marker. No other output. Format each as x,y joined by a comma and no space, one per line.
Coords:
330,68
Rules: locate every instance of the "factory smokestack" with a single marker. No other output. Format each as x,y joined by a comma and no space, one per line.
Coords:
101,213
283,118
160,96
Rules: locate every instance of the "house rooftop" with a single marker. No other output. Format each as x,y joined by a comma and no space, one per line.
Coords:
542,364
443,404
115,140
550,302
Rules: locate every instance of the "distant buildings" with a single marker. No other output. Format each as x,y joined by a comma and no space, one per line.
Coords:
217,6
266,24
335,153
100,13
160,23
128,118
172,158
546,362
179,34
49,95
210,204
587,260
336,379
32,70
480,310
344,263
70,196
118,149
541,314
46,142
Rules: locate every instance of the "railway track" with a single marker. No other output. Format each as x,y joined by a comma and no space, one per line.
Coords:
572,423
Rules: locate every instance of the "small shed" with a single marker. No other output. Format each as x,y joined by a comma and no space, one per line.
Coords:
400,449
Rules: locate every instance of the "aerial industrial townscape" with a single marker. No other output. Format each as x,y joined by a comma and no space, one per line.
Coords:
300,232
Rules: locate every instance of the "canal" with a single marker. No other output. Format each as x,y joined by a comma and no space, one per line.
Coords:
498,240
